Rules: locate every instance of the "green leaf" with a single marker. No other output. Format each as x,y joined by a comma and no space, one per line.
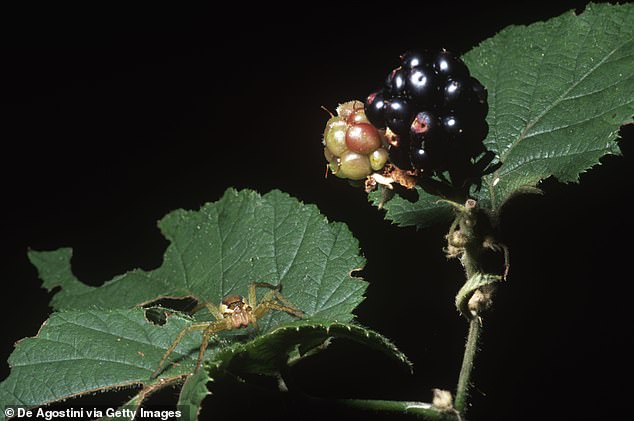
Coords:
421,211
474,283
87,351
192,394
102,340
224,247
558,93
267,353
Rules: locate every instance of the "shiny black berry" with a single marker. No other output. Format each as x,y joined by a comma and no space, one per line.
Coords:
398,116
422,87
452,126
429,152
395,82
412,59
455,91
421,159
446,64
375,109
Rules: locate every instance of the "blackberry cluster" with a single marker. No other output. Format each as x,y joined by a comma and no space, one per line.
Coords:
434,110
353,147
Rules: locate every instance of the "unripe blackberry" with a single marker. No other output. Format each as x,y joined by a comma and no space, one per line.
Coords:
353,146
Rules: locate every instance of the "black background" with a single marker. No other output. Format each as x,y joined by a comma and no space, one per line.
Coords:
110,119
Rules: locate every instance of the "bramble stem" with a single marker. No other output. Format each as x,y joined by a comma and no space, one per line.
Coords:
475,230
421,410
464,381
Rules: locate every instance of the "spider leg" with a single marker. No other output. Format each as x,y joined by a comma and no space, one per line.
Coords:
210,330
210,307
272,300
215,311
269,296
289,307
266,306
274,293
191,328
253,300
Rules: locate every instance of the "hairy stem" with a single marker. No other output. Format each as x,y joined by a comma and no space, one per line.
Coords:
464,381
472,237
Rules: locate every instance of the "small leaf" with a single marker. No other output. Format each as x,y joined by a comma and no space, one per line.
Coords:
421,211
474,283
558,93
192,394
224,247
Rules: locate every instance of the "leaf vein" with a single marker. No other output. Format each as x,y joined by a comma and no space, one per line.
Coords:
563,95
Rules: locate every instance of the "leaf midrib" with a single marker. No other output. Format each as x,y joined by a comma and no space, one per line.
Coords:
524,134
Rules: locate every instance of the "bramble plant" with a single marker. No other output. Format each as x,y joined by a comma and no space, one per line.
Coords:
445,138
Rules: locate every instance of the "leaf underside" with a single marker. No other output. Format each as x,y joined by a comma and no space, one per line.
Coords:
192,394
558,92
424,211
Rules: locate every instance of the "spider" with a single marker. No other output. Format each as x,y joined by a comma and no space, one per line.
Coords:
234,313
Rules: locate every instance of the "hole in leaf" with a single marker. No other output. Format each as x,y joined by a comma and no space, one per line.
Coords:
156,315
182,304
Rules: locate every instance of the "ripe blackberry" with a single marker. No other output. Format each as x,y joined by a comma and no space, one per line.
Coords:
434,109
